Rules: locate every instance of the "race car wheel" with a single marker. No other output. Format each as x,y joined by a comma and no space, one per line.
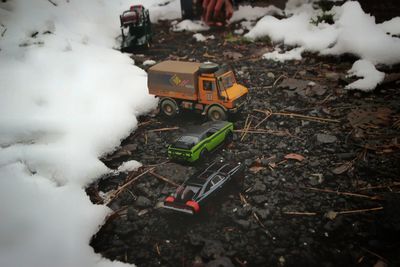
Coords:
228,137
203,155
169,108
216,113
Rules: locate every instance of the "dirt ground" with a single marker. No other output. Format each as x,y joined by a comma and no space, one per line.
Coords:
322,169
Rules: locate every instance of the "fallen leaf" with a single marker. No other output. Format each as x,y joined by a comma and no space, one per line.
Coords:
331,215
256,169
342,168
232,55
294,156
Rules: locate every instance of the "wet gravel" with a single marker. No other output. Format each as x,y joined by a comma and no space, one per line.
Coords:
287,212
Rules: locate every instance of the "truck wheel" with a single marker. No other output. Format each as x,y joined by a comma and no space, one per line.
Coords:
216,113
169,108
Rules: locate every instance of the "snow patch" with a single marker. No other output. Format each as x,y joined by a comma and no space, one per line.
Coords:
294,54
66,98
391,26
371,77
129,166
191,26
149,62
247,12
201,38
353,32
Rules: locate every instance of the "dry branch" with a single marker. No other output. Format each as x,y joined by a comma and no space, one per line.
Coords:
342,193
379,186
125,186
300,213
164,179
53,3
358,211
163,129
295,115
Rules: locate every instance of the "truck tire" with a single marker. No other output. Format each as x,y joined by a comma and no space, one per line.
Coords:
169,108
208,67
216,113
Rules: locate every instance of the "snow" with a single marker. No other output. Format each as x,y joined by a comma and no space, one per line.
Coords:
294,54
371,77
66,98
353,32
128,166
201,38
391,26
247,12
191,26
149,62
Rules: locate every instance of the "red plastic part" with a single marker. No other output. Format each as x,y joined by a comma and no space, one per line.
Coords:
194,205
170,199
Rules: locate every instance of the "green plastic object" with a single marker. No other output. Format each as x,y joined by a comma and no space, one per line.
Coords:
199,141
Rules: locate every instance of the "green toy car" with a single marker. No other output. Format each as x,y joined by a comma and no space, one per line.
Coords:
198,141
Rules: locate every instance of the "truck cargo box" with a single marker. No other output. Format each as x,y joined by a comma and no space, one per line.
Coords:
174,79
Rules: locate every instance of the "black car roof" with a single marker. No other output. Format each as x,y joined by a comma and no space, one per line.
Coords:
200,130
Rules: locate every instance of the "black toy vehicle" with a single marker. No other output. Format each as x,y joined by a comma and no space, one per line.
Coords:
203,186
135,28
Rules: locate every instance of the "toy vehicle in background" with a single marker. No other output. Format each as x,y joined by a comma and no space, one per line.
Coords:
198,141
206,88
135,28
197,190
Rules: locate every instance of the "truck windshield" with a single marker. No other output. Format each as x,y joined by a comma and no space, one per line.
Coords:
226,81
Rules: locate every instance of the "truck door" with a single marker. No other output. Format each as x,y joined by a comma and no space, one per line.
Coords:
208,90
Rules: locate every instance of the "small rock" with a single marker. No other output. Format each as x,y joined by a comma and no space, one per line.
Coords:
271,75
143,202
260,199
332,76
259,186
326,138
212,249
220,262
243,223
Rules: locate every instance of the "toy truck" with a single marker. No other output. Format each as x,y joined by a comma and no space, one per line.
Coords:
207,88
135,29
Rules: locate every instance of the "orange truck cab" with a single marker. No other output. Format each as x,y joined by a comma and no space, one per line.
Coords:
207,88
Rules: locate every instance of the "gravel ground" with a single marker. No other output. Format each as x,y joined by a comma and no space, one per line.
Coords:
319,191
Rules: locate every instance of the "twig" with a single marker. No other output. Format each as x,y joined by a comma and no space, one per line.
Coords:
246,129
163,129
259,131
164,179
282,76
243,199
305,117
54,4
375,254
379,186
158,249
359,210
300,213
115,214
267,115
123,187
342,193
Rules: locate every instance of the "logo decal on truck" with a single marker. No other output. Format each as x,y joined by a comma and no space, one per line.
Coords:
176,81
